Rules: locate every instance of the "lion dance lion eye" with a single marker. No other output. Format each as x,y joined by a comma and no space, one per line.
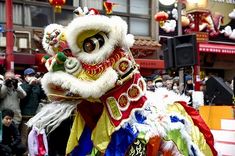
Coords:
94,43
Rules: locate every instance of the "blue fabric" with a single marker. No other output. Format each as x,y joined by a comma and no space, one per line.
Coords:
176,119
120,141
85,144
139,117
29,71
188,77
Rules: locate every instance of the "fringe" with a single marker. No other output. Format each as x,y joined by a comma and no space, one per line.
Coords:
51,115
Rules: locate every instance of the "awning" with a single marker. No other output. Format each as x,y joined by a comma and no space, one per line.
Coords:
216,48
150,63
23,58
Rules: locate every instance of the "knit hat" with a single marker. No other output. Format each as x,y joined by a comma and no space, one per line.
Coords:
29,71
158,79
188,77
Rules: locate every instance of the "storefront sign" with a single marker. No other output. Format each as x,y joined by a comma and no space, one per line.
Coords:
217,48
202,37
150,63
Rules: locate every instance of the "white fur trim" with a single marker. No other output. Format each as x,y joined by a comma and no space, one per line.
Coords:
83,88
128,41
50,28
51,115
115,27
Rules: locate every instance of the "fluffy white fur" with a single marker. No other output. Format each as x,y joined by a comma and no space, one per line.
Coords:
85,89
50,29
115,27
51,116
158,122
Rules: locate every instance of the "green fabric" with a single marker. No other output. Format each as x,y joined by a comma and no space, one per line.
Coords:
61,56
58,67
141,137
46,57
180,142
95,152
30,103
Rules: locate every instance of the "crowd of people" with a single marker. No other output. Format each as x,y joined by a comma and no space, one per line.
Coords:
19,101
185,88
173,83
20,97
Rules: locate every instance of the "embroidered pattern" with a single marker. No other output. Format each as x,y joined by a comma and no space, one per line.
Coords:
113,108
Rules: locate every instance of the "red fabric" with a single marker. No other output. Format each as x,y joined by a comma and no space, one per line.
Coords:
199,122
41,147
117,91
153,146
91,112
117,54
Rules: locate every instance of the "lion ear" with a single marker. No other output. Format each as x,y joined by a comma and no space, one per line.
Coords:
129,41
120,27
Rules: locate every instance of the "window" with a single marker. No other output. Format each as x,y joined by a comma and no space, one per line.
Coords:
69,2
97,4
2,13
139,26
137,14
121,6
17,13
65,17
37,16
139,7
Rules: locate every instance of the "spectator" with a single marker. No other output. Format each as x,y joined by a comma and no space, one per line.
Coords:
11,139
19,78
175,87
167,81
158,82
30,103
150,85
188,89
32,87
10,94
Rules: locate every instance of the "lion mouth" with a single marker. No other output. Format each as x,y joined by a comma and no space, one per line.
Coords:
63,85
58,93
92,70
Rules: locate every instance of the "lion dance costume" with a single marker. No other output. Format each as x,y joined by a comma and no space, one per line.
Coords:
91,72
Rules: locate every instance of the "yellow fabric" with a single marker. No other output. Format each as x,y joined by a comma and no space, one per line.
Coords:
76,131
84,76
101,134
196,135
212,115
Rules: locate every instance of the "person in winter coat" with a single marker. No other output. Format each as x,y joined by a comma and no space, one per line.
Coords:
29,105
11,93
11,139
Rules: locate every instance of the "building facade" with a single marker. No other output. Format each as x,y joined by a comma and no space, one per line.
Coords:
31,16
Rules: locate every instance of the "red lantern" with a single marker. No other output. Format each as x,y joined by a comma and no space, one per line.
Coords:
161,17
57,4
